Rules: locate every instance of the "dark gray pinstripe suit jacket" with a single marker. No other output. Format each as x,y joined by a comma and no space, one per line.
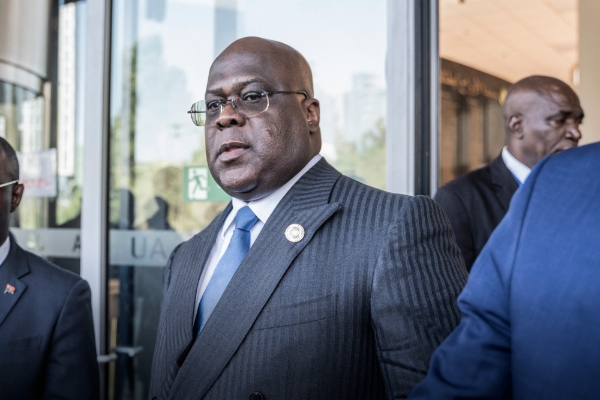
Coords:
352,311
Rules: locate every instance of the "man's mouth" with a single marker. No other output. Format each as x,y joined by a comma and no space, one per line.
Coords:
231,150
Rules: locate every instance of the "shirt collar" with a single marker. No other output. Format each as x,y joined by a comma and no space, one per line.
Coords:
263,208
4,249
518,169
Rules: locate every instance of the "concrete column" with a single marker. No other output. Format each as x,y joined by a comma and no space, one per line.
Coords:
23,42
589,68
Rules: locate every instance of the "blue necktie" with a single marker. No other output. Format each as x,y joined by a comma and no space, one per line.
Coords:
226,267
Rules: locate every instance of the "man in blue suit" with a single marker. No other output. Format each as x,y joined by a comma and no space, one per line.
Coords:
47,348
531,308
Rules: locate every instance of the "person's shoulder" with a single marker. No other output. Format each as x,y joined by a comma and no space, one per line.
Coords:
465,182
51,274
568,171
374,205
582,158
205,234
348,189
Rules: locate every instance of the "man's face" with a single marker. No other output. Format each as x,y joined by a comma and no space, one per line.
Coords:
10,196
250,157
552,123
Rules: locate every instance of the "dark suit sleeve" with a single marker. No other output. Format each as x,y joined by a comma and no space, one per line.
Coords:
474,362
418,276
461,225
72,369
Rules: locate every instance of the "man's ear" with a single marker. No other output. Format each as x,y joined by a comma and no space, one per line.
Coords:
17,194
514,126
313,114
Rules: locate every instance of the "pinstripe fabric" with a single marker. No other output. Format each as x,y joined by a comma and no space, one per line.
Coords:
352,311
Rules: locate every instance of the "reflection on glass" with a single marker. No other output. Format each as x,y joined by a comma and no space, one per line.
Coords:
348,65
22,111
472,126
485,46
46,129
161,192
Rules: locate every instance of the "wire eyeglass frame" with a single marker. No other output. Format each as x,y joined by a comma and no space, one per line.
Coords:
199,111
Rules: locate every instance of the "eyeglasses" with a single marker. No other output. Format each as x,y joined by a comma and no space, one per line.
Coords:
248,105
8,183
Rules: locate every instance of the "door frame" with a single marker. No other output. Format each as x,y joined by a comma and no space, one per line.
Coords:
94,207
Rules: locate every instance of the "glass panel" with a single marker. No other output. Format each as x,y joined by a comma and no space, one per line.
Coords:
160,190
472,124
46,129
486,46
348,69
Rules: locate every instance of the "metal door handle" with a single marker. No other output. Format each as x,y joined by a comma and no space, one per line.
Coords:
130,351
106,358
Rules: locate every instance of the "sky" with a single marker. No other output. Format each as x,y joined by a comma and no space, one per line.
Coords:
338,38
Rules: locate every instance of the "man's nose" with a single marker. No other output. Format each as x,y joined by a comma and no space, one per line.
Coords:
230,116
573,131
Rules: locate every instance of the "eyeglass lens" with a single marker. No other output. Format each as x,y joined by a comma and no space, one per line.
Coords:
249,105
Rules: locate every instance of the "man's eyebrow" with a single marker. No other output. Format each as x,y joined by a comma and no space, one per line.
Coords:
237,86
561,114
566,114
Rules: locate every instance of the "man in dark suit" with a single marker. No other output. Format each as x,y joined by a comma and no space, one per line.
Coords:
47,347
542,117
326,288
531,309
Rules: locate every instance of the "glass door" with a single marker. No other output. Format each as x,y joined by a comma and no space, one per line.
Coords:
161,192
45,126
480,61
158,194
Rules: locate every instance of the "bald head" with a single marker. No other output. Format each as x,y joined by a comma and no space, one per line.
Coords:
284,61
262,120
542,116
522,95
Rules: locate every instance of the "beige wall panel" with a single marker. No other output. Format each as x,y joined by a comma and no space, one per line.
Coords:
589,68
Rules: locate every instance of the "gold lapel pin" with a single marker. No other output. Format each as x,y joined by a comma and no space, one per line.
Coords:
10,289
294,233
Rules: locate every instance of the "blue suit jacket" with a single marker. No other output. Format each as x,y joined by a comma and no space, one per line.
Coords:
530,324
47,348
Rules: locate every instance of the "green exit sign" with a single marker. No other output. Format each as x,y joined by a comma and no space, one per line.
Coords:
199,185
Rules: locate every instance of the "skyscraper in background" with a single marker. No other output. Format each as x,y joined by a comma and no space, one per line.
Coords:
226,21
364,105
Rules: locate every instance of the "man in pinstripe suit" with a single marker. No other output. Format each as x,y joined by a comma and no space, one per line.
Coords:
345,290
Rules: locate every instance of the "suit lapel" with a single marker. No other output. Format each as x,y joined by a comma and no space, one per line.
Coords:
503,182
14,267
182,300
256,279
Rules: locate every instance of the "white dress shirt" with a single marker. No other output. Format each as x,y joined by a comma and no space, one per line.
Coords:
262,208
4,250
518,169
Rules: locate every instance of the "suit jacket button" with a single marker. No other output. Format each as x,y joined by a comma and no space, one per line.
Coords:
154,398
257,396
